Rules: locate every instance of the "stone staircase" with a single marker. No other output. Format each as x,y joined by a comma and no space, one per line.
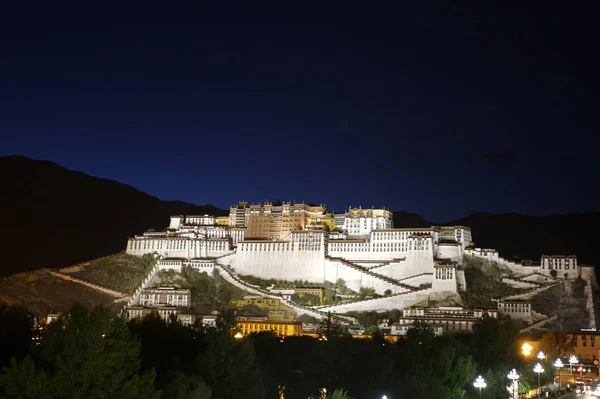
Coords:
326,308
232,278
368,272
416,275
532,291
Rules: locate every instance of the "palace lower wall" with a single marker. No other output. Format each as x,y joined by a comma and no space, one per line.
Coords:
379,304
418,280
367,255
449,251
355,279
281,265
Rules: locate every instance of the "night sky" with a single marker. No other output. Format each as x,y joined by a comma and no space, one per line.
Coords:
442,111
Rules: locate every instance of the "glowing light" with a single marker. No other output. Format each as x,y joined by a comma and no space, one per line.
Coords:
558,363
526,349
573,360
538,368
514,377
541,355
238,335
479,383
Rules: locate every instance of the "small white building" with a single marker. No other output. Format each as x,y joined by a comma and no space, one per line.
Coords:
209,320
197,220
444,277
358,221
166,296
516,309
565,266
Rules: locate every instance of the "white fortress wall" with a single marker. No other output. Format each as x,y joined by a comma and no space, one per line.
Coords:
379,304
277,260
370,264
418,280
178,247
418,261
452,251
355,279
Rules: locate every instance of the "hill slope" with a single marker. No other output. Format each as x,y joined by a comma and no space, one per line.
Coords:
54,217
43,293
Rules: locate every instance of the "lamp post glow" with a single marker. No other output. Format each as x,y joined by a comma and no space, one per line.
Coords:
514,377
538,369
384,397
526,349
573,360
479,384
559,365
541,356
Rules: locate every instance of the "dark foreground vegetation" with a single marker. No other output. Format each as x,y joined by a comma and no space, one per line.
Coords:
89,354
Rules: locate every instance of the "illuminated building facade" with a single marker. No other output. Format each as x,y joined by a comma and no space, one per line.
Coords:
281,328
443,320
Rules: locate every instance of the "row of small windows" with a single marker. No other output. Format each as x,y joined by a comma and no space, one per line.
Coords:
269,247
176,244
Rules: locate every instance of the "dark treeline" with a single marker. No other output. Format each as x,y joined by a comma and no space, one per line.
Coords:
88,354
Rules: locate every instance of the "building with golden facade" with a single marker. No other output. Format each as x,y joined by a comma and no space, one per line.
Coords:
275,221
281,328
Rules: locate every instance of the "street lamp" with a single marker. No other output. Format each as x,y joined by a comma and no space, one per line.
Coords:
479,384
514,377
526,349
541,355
573,360
559,365
538,369
384,397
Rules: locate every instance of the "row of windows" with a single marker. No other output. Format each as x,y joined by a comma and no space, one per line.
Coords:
176,244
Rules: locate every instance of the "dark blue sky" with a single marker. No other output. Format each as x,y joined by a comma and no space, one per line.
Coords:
442,111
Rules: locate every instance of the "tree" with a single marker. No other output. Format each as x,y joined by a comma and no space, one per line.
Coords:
387,292
183,386
84,355
15,333
331,328
367,292
340,394
553,273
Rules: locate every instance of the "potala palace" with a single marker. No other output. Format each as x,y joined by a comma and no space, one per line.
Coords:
290,241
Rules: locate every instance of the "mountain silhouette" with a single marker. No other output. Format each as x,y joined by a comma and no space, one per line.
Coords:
53,217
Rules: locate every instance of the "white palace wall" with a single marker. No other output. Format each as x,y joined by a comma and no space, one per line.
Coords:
452,251
179,247
355,279
277,260
389,302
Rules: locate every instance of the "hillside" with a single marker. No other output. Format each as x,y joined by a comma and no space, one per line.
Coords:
53,217
43,293
119,272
